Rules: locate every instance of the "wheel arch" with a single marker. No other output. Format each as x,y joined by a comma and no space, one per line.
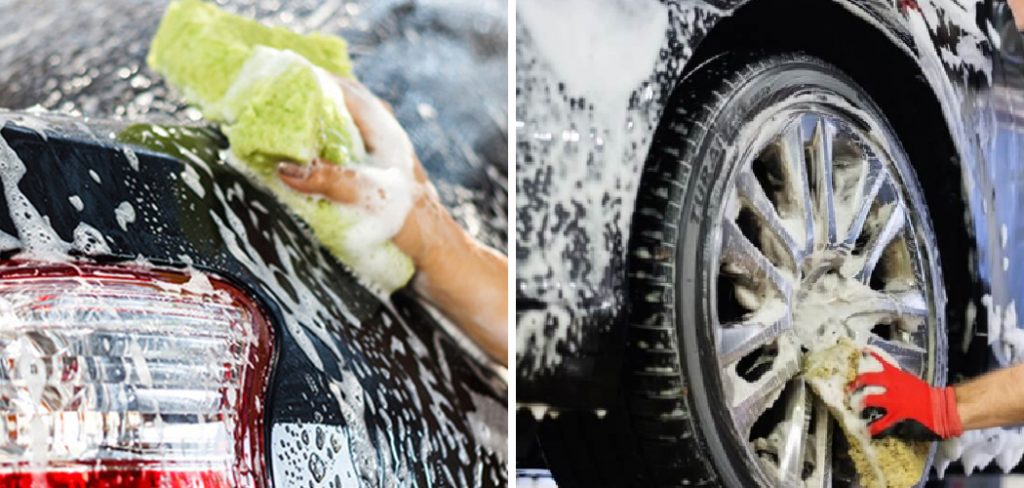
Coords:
837,31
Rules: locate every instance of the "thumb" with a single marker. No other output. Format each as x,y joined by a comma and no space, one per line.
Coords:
323,178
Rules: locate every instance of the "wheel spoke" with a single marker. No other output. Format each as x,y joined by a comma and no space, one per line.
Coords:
910,357
764,393
820,453
906,304
739,251
791,151
821,177
874,177
750,189
791,455
873,251
738,340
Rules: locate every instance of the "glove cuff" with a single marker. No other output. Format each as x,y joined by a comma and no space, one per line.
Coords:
947,417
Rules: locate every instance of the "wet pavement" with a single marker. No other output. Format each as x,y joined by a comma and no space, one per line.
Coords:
442,65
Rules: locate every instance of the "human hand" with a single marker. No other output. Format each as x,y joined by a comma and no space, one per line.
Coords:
913,409
465,279
428,225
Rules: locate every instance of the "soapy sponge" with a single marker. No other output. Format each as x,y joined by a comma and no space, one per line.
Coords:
282,107
200,48
274,94
880,463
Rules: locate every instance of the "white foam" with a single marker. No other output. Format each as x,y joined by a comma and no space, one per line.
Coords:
608,49
34,231
133,159
386,201
125,214
603,56
191,179
89,240
76,201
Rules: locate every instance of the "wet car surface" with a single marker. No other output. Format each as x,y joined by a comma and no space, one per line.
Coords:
588,129
364,389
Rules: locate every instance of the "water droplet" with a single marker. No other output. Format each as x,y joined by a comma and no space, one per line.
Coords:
317,467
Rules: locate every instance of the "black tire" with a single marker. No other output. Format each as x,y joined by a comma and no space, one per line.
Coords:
673,427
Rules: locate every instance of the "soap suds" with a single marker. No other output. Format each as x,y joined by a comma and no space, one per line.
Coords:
133,159
608,49
191,179
90,241
76,202
976,449
386,202
125,214
576,81
34,231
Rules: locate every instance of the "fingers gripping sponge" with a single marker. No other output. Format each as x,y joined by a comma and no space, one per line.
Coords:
273,93
880,463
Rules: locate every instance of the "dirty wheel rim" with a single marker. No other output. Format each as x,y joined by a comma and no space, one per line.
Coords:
819,211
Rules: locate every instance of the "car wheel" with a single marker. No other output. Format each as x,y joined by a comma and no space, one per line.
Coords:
777,212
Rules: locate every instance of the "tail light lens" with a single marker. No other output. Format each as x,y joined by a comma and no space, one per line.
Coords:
122,377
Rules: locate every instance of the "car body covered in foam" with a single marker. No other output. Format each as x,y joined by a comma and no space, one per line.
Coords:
945,73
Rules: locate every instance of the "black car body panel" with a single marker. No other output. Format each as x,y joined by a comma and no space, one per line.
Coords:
401,400
961,72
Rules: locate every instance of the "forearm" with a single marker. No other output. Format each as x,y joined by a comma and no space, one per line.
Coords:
466,280
1017,7
995,399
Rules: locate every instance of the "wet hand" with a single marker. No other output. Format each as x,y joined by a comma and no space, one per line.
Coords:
427,225
911,408
464,278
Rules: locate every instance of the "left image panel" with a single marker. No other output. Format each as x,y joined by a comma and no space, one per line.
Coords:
253,243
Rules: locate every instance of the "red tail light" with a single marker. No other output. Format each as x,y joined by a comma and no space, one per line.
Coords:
123,377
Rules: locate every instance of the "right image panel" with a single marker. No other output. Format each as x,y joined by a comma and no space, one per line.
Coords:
769,243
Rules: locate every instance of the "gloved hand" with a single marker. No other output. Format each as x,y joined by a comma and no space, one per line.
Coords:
913,409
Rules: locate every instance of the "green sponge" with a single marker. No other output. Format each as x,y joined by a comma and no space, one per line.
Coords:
200,48
274,94
283,107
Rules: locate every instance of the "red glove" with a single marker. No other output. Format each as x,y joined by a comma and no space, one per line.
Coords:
913,409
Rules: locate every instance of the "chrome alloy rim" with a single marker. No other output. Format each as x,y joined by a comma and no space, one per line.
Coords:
816,241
